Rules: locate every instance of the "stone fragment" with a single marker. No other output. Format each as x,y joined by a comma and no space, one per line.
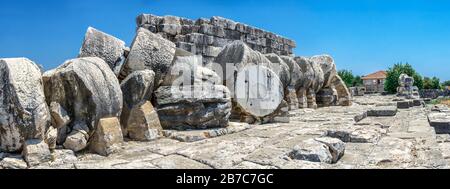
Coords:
310,84
356,134
23,111
60,117
406,87
107,137
328,67
344,95
280,68
327,97
336,146
237,55
77,140
294,70
36,152
149,51
258,92
170,25
143,123
88,91
188,70
13,163
404,104
440,122
418,102
198,135
312,150
137,89
51,137
392,151
291,98
104,46
148,19
193,107
63,157
381,111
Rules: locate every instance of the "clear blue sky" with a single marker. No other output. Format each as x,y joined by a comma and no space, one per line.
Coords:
362,35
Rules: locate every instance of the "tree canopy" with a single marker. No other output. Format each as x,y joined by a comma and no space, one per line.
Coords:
394,73
350,79
431,83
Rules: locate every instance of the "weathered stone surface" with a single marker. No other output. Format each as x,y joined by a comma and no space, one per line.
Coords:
237,55
104,46
258,92
291,98
198,135
188,70
328,67
60,117
63,157
440,122
137,89
51,137
310,83
193,107
88,91
149,51
327,97
336,147
280,68
357,91
36,152
392,151
143,123
178,162
404,104
216,32
106,137
312,150
407,88
13,163
344,95
77,140
356,135
23,112
379,111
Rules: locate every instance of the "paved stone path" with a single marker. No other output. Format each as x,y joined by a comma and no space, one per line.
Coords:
403,141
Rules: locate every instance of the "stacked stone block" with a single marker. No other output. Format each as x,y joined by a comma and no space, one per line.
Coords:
206,37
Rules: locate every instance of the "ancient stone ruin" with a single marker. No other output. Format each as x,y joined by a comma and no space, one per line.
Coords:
407,88
206,37
192,94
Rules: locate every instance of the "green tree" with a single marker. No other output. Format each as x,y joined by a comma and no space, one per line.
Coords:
436,83
446,83
427,83
357,81
350,79
347,77
431,83
394,73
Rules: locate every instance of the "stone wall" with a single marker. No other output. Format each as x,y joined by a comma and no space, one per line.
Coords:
206,37
433,93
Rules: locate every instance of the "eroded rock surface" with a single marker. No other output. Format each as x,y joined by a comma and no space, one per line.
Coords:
23,112
87,90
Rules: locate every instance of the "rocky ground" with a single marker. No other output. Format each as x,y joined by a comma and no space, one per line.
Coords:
405,140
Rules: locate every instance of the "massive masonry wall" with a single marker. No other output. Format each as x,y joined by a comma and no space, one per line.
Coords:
207,36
